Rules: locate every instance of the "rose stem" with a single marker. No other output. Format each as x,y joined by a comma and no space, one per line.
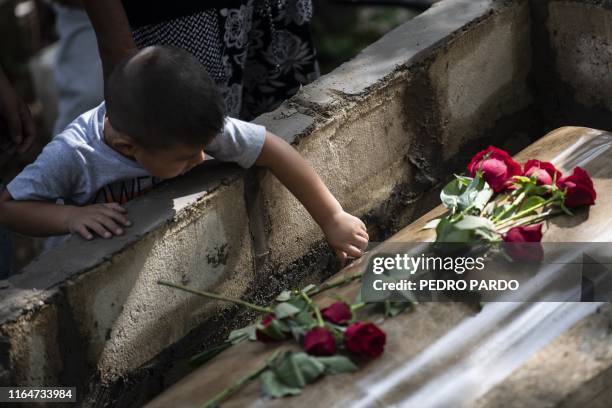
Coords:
531,220
327,286
511,207
314,307
527,211
232,389
209,295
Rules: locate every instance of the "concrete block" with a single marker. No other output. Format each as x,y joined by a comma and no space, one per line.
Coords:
35,356
128,318
286,122
581,37
391,52
481,76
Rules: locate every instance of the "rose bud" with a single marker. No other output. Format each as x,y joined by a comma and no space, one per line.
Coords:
320,342
261,335
337,313
520,243
578,188
497,167
365,339
545,172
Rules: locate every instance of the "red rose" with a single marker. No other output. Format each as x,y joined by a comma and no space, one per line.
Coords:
365,339
260,335
520,243
337,313
497,167
545,172
320,342
578,188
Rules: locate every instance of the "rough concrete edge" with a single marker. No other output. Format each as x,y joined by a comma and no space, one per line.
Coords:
17,297
323,97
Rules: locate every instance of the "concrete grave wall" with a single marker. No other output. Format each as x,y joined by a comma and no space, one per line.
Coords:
382,130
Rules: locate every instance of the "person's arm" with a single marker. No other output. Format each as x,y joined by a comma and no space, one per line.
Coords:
15,120
345,233
113,32
42,219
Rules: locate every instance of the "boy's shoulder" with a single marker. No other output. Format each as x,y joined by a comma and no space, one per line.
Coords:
85,130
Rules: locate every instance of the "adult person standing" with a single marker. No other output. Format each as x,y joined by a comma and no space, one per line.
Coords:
258,52
78,70
17,134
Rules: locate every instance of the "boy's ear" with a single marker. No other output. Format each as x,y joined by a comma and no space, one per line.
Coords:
124,144
120,142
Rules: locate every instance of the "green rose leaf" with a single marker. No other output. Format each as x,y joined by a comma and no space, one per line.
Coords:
301,323
298,369
471,222
531,202
450,194
465,192
285,309
309,288
392,309
446,231
239,335
431,224
477,194
305,319
284,296
468,229
276,329
274,388
337,364
298,302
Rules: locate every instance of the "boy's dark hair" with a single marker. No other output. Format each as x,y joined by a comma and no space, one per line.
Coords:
162,97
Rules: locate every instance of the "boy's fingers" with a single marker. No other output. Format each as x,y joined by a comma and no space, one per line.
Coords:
118,217
364,234
341,256
110,224
352,250
98,229
84,232
116,207
361,242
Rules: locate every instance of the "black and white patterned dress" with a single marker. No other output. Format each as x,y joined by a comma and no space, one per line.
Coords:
258,52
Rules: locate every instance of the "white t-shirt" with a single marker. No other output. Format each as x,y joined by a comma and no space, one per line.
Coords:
78,167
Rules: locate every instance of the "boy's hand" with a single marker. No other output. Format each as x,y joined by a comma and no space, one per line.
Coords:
103,219
346,234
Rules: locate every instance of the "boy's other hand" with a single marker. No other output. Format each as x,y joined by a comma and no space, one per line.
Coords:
103,219
347,235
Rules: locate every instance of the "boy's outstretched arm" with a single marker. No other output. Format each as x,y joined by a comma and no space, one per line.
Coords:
41,219
345,233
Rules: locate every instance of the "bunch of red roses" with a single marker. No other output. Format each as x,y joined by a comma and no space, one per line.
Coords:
325,332
504,201
328,336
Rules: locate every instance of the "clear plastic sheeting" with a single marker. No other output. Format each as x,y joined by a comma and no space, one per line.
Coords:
473,357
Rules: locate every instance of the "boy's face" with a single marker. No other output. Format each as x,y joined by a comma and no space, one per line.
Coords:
171,162
162,163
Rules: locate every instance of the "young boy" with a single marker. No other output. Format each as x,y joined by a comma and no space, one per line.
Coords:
162,112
